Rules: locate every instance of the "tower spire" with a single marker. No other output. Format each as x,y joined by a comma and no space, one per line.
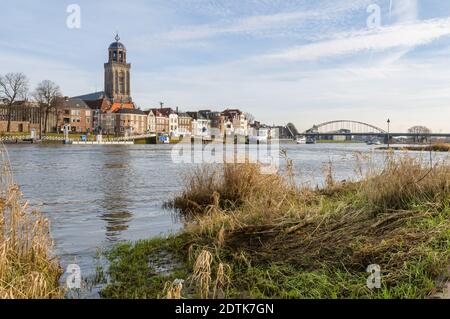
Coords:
117,38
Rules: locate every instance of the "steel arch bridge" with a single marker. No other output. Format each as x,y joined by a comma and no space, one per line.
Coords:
345,125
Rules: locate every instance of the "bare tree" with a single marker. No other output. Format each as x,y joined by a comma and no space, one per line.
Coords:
250,118
421,131
13,86
46,94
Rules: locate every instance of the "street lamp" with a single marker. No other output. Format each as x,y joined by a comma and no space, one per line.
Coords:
388,137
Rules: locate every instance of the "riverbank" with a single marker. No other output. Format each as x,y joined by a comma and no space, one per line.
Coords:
440,147
249,235
27,268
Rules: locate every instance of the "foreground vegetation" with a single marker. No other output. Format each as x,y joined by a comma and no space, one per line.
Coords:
249,235
27,269
438,147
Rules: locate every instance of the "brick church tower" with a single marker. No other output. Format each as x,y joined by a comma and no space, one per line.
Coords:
117,74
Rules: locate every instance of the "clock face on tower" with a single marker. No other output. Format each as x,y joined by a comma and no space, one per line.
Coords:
117,73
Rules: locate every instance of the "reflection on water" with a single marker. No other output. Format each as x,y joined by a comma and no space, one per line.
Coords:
116,223
116,187
96,196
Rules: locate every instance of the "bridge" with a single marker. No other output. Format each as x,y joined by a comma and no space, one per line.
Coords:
349,130
345,126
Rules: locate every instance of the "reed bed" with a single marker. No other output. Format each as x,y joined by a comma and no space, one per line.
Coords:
27,268
251,235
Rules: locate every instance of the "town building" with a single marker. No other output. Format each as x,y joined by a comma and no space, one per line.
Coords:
184,124
151,122
235,122
161,122
216,122
166,121
131,122
201,126
74,114
25,117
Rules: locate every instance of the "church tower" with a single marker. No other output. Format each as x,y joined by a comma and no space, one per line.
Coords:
117,74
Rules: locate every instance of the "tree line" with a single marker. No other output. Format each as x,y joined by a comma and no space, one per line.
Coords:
14,87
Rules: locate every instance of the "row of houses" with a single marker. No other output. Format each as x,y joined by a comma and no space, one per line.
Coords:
128,121
100,117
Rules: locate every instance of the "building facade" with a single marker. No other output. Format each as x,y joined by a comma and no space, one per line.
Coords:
76,115
151,122
161,122
201,126
25,117
131,122
184,124
236,121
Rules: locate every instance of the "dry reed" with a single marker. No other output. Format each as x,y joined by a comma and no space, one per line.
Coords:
396,217
27,269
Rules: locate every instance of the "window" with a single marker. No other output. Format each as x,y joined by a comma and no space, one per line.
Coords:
88,113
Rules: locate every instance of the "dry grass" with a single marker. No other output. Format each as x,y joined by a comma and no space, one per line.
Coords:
404,182
173,289
202,272
438,147
225,187
398,218
27,269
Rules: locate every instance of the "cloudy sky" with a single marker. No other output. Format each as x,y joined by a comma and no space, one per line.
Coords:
301,61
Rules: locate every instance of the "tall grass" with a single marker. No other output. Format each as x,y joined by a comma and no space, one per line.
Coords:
230,185
251,235
265,227
27,269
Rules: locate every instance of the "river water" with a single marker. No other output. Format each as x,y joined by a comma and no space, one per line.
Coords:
96,196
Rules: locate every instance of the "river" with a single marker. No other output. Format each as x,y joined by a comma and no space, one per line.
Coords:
96,196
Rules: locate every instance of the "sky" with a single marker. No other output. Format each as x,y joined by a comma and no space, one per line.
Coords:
299,61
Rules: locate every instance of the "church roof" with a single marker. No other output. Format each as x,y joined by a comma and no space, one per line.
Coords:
117,45
91,96
73,103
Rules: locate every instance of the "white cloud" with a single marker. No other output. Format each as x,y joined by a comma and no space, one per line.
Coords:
267,23
405,10
392,37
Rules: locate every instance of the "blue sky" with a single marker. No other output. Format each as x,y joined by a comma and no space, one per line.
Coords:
301,61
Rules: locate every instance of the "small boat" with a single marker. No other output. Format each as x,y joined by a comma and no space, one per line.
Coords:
373,142
301,140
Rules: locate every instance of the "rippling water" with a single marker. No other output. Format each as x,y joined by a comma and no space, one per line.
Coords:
96,196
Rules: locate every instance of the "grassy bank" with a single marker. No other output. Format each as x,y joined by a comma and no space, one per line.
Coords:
439,147
249,235
27,269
